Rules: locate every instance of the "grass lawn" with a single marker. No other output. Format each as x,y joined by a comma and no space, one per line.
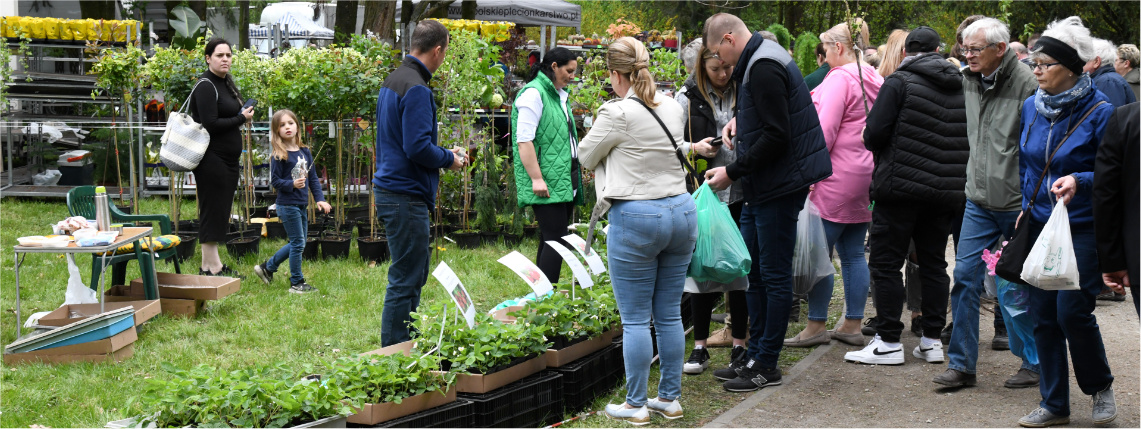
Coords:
258,325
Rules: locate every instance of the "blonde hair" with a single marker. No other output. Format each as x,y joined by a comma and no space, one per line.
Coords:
629,58
842,34
275,141
700,78
1130,54
893,52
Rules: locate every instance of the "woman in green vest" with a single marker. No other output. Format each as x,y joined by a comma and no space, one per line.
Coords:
545,149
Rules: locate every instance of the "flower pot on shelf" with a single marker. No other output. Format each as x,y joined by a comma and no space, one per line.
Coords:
372,249
334,246
243,246
467,240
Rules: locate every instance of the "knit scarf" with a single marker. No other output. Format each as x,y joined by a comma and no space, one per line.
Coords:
1051,106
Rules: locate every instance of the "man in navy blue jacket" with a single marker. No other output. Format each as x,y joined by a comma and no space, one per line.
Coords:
1105,77
408,174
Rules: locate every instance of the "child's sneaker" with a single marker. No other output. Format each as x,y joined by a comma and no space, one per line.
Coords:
263,273
670,410
302,288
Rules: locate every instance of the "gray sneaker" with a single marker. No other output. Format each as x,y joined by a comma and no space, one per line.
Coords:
1104,407
302,288
1041,418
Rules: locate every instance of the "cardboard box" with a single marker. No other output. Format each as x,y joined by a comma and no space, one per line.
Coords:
483,383
501,314
372,414
144,310
187,286
558,358
117,348
170,306
405,347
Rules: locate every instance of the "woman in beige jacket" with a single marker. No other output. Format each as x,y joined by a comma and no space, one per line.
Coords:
653,225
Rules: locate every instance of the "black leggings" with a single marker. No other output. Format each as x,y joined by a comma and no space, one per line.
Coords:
703,304
553,221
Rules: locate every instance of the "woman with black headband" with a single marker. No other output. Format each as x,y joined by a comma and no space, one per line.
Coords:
1062,125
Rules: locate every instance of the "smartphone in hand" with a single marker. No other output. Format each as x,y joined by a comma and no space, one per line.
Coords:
717,141
250,103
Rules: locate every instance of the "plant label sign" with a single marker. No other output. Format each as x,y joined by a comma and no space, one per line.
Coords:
528,272
459,294
592,258
575,266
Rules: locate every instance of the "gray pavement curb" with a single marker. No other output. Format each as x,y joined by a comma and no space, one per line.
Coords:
752,402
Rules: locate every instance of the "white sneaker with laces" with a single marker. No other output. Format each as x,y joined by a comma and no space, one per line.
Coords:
877,353
932,353
635,416
670,410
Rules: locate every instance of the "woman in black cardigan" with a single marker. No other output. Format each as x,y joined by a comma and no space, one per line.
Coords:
217,105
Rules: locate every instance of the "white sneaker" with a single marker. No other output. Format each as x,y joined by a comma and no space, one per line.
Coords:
932,353
877,353
635,416
670,410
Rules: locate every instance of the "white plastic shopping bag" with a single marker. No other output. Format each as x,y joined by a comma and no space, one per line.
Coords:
811,261
77,292
1051,264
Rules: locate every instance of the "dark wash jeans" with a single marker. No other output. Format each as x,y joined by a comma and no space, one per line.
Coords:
296,222
769,230
894,226
406,223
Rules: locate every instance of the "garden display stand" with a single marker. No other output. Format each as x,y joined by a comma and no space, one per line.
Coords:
535,401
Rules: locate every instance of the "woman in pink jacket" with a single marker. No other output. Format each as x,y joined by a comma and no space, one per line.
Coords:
842,101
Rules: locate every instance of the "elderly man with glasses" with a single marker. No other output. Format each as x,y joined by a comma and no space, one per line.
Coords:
994,87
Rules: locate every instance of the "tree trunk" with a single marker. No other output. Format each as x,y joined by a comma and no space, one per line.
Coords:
243,24
467,9
99,9
380,17
345,23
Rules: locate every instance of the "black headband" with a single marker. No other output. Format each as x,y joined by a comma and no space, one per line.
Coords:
1059,50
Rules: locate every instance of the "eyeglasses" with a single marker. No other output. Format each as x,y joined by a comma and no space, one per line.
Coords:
718,53
976,51
1043,67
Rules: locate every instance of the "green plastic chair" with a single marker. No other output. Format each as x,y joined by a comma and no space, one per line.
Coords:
81,202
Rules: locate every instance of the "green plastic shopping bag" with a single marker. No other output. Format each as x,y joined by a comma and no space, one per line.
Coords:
720,254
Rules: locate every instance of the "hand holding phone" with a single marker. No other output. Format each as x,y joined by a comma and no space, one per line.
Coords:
250,103
717,141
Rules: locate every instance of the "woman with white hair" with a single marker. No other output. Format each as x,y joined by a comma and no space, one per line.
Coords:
1126,65
1105,77
1062,125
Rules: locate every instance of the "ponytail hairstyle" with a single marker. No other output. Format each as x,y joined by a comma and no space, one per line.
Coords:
559,56
275,140
629,58
210,47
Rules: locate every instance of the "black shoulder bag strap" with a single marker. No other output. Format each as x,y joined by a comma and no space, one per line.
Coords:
1046,169
677,151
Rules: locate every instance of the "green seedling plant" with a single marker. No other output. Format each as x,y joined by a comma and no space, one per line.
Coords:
586,314
481,349
392,378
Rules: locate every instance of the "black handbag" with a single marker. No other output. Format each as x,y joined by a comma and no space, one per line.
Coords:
1014,253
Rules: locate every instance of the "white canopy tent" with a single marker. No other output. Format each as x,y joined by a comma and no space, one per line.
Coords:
542,13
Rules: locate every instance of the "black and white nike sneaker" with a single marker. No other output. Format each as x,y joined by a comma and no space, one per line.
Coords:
878,353
931,353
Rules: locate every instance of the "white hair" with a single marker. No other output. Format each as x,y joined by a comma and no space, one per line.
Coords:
994,31
1071,32
1105,50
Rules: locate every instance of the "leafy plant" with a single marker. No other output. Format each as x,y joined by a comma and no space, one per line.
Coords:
805,52
622,28
783,36
390,378
488,346
666,66
590,91
588,313
174,72
120,72
186,24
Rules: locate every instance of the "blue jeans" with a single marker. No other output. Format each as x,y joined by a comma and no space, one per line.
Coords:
982,229
769,229
1067,317
296,222
405,219
848,239
650,244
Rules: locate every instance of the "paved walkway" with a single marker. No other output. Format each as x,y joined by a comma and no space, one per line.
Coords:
824,391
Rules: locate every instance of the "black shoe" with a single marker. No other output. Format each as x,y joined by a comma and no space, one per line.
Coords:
1000,341
1108,294
226,271
916,327
955,378
1022,378
302,288
698,361
263,273
752,377
870,325
945,336
737,360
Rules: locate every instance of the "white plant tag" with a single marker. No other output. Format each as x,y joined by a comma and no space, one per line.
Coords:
592,258
332,130
459,294
576,267
528,272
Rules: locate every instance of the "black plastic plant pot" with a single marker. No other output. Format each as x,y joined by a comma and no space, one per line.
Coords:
334,246
372,249
186,247
190,225
127,209
275,231
261,211
489,238
530,230
512,239
316,229
365,230
250,231
467,240
311,248
243,246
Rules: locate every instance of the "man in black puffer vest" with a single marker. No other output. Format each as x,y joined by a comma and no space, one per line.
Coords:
780,152
917,131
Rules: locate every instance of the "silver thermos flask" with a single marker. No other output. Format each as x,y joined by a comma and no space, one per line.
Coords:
102,209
